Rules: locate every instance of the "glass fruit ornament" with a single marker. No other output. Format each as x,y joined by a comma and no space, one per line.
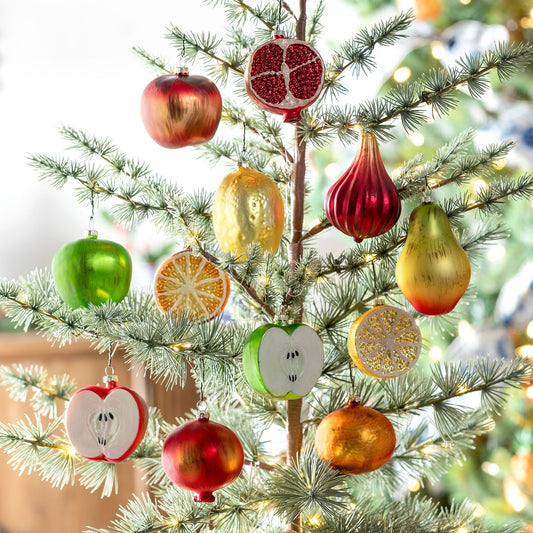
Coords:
248,208
355,439
189,285
433,270
181,110
92,271
384,342
202,456
284,76
283,362
106,423
364,201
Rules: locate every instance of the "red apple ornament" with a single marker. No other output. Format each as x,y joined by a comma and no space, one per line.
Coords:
284,76
106,423
181,110
202,456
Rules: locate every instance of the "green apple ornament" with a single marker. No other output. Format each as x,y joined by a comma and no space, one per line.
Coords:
91,271
283,362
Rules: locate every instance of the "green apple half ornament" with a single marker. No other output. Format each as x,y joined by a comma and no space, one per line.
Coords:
283,362
91,270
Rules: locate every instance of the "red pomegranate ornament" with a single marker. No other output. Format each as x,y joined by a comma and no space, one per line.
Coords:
364,201
181,110
202,456
284,76
106,423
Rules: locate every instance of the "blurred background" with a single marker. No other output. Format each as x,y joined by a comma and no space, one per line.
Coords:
71,63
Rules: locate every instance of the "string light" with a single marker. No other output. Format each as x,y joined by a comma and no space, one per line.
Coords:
402,74
417,138
332,170
526,350
437,50
529,392
465,2
414,485
480,186
435,353
492,469
529,330
263,279
495,252
465,330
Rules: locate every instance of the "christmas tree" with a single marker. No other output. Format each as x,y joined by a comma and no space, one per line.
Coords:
322,344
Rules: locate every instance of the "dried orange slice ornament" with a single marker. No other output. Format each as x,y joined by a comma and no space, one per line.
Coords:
384,342
191,286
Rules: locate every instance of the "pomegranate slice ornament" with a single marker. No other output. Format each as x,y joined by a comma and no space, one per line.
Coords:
364,201
284,76
106,423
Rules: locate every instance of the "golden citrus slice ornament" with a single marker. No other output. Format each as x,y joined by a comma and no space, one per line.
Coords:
384,342
189,285
248,208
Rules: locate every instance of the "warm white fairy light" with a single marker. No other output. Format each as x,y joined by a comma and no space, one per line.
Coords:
492,469
417,138
333,170
529,392
263,279
480,186
465,330
402,74
463,530
529,330
495,252
465,2
435,353
370,257
414,485
479,510
437,50
526,350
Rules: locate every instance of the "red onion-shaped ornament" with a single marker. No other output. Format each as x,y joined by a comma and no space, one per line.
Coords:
364,202
202,456
284,76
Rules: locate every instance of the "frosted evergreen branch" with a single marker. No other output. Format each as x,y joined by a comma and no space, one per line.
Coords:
207,45
434,89
267,130
156,62
355,54
20,381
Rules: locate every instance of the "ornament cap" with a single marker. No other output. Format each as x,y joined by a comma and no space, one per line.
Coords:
281,320
206,497
243,164
183,71
426,199
354,402
92,234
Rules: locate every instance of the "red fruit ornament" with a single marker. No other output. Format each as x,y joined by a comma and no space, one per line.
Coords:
364,202
181,110
202,456
106,423
284,76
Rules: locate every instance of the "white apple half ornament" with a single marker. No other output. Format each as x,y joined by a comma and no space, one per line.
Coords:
106,423
283,362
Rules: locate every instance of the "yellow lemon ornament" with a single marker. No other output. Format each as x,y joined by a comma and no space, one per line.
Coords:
248,208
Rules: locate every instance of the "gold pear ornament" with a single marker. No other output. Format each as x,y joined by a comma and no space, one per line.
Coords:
433,270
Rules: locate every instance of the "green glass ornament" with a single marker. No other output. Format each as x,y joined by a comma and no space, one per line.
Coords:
283,362
92,271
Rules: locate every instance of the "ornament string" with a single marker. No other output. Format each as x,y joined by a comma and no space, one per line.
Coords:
202,404
91,218
376,293
243,156
278,23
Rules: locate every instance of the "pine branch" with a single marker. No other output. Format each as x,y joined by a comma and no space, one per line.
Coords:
434,89
157,63
19,381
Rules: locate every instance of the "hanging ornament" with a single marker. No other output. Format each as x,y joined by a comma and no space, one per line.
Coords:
385,341
191,286
433,271
283,362
248,208
91,271
364,202
181,110
284,76
106,423
202,456
355,439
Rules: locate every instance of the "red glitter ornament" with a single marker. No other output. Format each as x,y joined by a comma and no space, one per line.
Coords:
202,456
364,202
284,76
